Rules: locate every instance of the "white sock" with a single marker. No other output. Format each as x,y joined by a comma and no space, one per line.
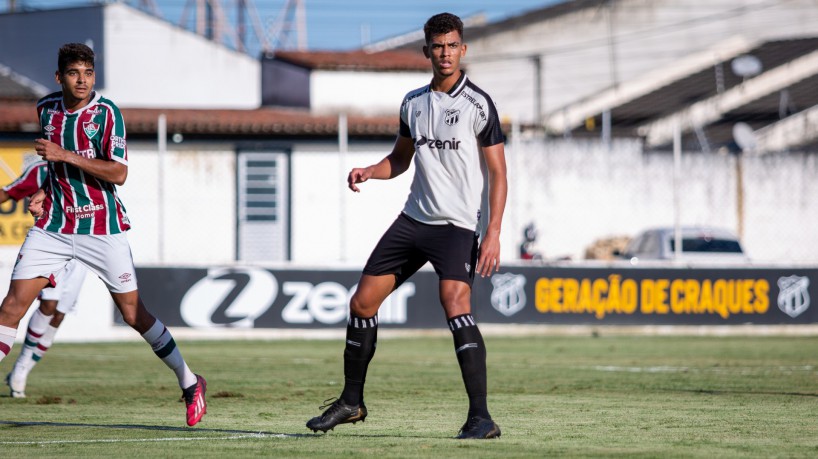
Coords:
165,348
38,326
42,347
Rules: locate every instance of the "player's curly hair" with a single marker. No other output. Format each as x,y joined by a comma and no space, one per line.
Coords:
441,24
74,52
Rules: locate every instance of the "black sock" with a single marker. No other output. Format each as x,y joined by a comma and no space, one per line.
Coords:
471,355
362,335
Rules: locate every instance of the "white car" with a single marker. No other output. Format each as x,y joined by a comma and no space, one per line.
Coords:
699,244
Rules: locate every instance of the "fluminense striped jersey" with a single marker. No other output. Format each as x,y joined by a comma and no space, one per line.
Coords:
448,130
77,202
29,182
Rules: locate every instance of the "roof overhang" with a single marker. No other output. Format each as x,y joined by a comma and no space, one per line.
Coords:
702,113
575,114
789,133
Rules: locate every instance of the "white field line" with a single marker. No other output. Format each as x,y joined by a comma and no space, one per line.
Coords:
727,370
143,440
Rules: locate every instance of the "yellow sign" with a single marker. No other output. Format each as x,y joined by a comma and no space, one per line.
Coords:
14,217
615,295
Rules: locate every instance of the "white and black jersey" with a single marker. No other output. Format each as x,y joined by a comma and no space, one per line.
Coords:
448,130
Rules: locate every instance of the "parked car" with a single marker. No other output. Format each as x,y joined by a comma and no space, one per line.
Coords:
699,244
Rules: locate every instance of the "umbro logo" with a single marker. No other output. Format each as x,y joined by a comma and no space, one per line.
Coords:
125,277
49,130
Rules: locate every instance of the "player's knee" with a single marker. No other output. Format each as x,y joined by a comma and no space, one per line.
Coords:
455,300
130,316
48,307
14,306
57,319
359,306
455,304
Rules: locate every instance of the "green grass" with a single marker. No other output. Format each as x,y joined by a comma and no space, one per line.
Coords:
552,396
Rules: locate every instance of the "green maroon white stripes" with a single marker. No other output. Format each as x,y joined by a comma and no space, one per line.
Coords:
77,202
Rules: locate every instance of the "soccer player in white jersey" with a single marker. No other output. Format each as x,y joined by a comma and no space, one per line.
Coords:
54,302
80,216
450,128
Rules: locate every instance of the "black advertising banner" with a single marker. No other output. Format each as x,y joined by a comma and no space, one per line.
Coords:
253,297
648,296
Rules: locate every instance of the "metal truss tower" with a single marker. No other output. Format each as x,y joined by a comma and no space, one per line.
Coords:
212,19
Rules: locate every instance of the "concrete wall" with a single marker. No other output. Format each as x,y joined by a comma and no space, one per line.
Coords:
183,206
331,224
575,192
362,92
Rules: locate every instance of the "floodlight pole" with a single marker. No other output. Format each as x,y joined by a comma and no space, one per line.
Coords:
162,141
343,141
677,174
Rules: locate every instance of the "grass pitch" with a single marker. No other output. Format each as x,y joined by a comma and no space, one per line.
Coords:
552,396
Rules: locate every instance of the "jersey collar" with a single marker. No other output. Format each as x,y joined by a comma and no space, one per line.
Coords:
90,103
457,87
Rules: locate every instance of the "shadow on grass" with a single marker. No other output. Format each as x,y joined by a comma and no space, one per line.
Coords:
197,429
147,427
743,392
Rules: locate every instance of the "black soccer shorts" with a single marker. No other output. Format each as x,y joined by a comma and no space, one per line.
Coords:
408,244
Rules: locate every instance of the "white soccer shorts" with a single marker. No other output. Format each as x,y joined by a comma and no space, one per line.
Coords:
45,254
68,287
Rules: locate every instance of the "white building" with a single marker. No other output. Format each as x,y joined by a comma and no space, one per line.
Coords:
142,61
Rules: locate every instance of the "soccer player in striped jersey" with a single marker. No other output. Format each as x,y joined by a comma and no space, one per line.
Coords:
80,216
54,302
451,130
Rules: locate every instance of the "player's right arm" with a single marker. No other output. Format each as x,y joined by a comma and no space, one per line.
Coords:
389,167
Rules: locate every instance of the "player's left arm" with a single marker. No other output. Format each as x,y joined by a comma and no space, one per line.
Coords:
35,204
489,260
109,171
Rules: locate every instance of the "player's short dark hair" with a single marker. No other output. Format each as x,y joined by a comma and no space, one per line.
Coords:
74,52
441,24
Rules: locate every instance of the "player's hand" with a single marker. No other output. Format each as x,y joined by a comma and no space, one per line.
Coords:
358,175
489,260
49,151
35,205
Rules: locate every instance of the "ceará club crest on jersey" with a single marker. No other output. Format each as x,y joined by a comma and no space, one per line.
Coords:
452,116
91,128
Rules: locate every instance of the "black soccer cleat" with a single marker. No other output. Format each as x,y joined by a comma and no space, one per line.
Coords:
479,428
337,412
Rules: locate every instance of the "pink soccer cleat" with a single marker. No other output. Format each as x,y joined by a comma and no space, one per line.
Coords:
195,401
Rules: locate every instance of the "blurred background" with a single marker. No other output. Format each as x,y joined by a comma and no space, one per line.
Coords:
244,117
